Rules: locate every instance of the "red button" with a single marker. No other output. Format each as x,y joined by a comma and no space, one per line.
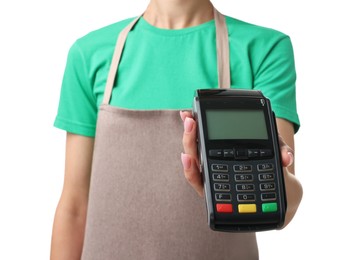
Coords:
224,208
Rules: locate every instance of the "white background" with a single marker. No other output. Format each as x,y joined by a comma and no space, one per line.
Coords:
35,38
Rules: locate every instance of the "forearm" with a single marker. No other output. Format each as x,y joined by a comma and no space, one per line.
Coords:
294,193
68,234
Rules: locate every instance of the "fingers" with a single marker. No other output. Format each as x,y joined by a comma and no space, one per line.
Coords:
189,137
189,158
184,114
287,154
192,175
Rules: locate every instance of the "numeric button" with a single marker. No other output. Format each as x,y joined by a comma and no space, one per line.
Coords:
266,176
245,197
243,177
219,167
245,187
267,186
265,167
222,187
220,177
242,168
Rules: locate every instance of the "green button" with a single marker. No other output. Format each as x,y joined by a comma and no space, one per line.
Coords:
269,207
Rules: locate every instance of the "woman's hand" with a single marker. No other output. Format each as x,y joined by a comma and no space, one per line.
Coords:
193,175
189,158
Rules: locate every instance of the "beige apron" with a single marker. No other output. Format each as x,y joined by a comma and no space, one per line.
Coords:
140,204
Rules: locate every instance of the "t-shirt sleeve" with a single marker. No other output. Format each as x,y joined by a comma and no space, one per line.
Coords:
77,110
276,78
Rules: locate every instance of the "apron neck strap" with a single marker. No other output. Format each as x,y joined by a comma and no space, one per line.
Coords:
222,45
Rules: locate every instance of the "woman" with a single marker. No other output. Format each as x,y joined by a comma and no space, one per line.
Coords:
123,198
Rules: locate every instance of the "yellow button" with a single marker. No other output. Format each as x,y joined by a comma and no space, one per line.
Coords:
247,208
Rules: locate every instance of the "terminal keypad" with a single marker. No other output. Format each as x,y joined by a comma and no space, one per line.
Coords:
243,186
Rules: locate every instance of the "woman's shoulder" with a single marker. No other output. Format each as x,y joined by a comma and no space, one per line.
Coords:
104,36
243,31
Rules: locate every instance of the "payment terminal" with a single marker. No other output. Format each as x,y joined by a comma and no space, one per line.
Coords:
240,160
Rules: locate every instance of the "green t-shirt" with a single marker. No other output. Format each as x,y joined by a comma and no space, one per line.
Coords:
160,69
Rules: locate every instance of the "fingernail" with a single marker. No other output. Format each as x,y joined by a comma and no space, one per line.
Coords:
188,125
291,158
182,115
186,162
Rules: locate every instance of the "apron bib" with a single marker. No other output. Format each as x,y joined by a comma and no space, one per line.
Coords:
140,204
